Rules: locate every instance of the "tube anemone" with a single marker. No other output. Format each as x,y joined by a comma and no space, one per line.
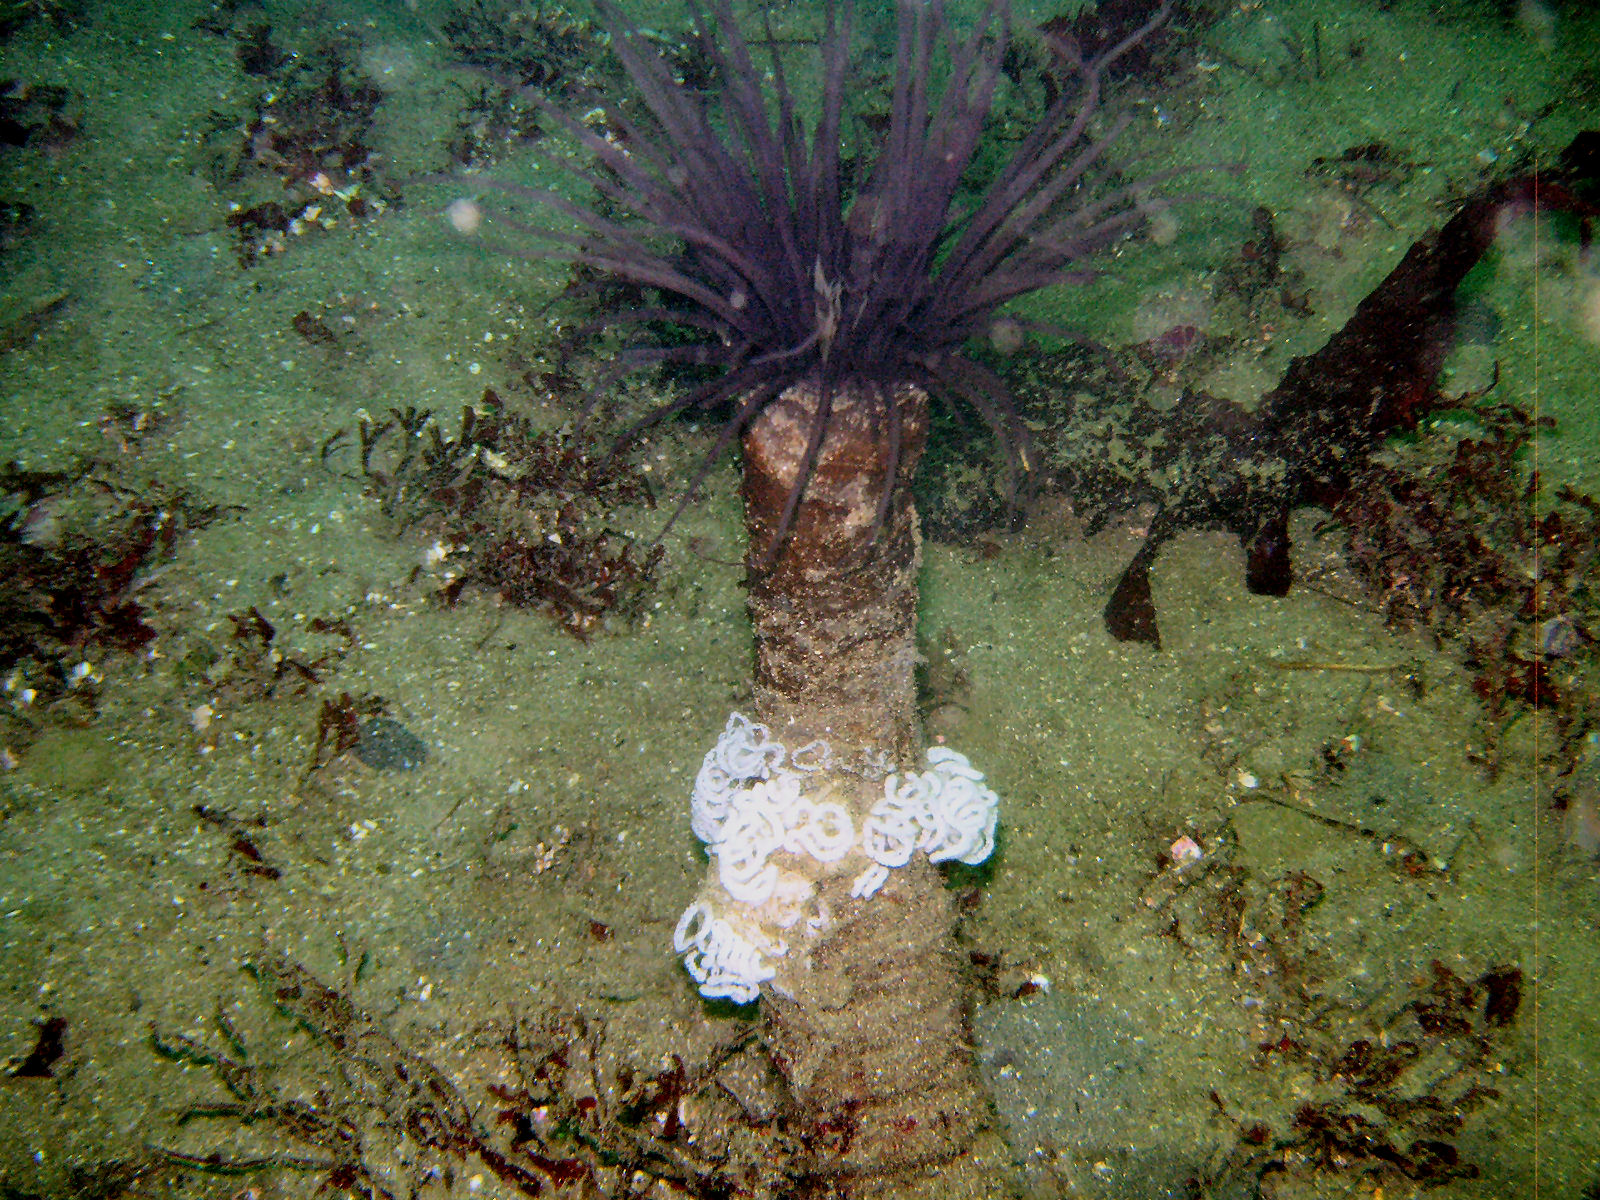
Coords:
835,309
792,265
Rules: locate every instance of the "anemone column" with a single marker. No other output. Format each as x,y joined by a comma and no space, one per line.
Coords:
835,609
869,1028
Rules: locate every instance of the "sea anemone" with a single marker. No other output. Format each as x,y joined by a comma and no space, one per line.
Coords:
790,264
831,303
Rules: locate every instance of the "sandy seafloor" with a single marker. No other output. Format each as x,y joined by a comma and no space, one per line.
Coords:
123,912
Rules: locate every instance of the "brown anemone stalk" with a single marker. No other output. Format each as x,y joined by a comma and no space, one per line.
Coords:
836,305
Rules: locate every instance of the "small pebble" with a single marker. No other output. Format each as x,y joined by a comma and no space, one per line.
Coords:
387,745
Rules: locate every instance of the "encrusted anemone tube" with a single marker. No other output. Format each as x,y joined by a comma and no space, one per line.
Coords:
837,304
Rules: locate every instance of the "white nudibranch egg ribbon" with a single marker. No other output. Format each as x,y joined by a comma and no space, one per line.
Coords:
750,802
726,965
945,811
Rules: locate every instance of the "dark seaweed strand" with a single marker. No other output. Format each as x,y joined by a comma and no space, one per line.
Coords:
748,224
